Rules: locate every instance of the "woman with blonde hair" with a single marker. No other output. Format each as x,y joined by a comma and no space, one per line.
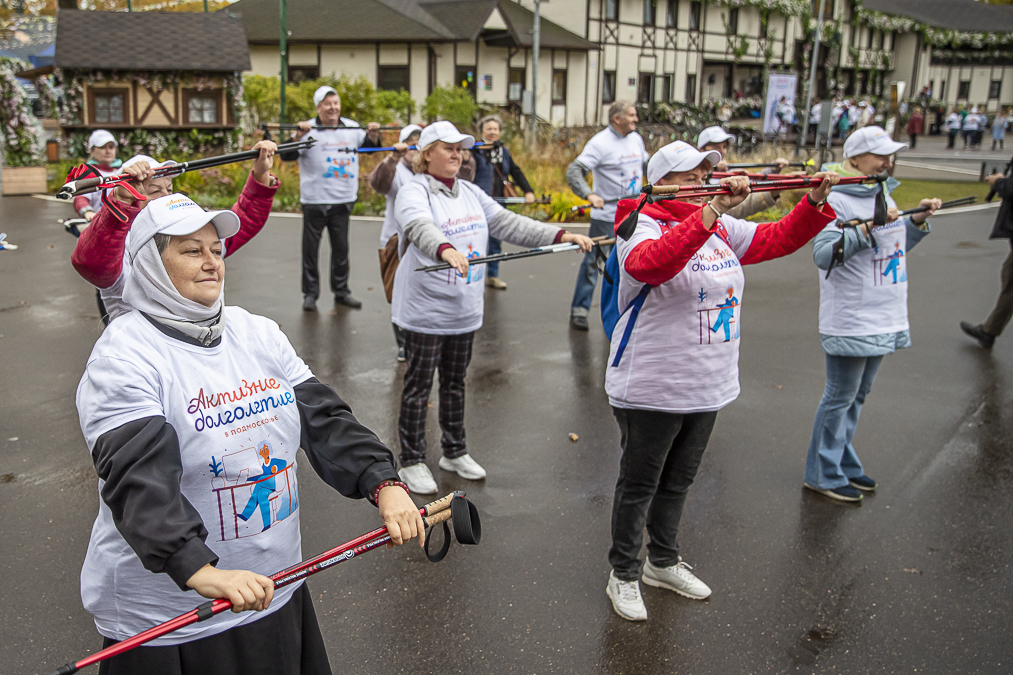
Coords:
446,219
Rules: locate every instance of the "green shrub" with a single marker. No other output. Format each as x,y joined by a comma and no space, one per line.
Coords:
453,104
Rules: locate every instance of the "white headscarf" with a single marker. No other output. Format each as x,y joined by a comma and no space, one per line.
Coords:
149,289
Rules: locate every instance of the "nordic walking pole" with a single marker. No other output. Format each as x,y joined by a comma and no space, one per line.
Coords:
433,513
963,201
500,257
85,186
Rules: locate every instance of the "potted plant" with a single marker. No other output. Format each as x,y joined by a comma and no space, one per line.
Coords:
21,149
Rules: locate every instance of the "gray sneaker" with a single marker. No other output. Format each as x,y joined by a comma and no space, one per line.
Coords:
676,578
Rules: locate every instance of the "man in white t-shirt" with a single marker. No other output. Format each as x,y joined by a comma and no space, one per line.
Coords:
328,188
615,158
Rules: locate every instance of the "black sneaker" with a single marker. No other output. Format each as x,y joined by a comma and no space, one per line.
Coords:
579,322
978,333
309,303
845,493
863,483
400,355
347,301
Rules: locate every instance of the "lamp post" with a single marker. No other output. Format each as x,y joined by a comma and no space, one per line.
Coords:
812,76
536,40
284,59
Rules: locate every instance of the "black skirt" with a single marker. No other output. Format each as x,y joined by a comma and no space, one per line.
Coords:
287,641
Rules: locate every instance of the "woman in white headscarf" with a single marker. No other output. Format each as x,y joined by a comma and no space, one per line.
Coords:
193,413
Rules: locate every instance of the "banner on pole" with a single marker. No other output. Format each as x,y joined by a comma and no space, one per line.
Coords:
779,85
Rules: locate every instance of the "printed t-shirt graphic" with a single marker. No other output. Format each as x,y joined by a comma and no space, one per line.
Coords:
226,405
328,174
868,294
617,167
693,320
442,303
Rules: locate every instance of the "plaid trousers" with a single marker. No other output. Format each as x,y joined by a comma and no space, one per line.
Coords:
424,354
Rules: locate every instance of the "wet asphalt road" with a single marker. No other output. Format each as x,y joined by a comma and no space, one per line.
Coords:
916,579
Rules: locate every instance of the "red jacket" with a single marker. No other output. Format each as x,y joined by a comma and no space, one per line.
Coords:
659,260
98,256
915,125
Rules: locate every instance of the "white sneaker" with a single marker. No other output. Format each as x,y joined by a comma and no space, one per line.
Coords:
626,600
464,466
419,479
676,578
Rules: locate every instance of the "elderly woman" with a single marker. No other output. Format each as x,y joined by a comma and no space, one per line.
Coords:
102,158
447,219
863,309
717,139
494,167
99,254
674,355
193,413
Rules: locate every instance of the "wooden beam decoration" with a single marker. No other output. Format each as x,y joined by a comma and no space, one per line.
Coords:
156,99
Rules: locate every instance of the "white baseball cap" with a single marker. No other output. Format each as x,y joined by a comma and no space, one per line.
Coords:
408,131
871,139
323,92
446,132
177,214
678,156
152,162
100,137
713,135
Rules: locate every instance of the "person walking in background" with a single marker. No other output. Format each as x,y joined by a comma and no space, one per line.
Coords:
953,122
615,158
494,169
915,126
986,333
328,188
969,128
999,126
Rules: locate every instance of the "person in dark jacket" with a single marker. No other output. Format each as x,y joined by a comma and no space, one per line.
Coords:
493,168
986,333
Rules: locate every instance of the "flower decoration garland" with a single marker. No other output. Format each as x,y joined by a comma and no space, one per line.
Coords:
20,130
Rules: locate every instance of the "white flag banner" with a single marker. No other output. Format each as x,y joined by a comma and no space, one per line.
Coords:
779,86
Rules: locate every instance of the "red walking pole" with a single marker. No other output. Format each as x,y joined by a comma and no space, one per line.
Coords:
467,528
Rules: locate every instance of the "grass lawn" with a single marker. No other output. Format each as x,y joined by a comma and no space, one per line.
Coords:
912,191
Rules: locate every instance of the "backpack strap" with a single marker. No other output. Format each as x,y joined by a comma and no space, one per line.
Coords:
634,309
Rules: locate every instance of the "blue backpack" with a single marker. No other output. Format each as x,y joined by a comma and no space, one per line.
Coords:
610,313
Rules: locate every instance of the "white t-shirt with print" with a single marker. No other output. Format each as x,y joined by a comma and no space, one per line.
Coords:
402,174
682,355
617,167
868,294
234,411
326,174
444,302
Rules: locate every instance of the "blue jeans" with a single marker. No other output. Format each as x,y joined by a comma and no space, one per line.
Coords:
587,275
832,459
495,246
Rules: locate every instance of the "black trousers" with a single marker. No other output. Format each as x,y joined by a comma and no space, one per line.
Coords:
1003,310
426,353
316,217
661,455
287,641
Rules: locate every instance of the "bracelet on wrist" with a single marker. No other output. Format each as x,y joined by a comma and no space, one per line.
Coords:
388,483
717,214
